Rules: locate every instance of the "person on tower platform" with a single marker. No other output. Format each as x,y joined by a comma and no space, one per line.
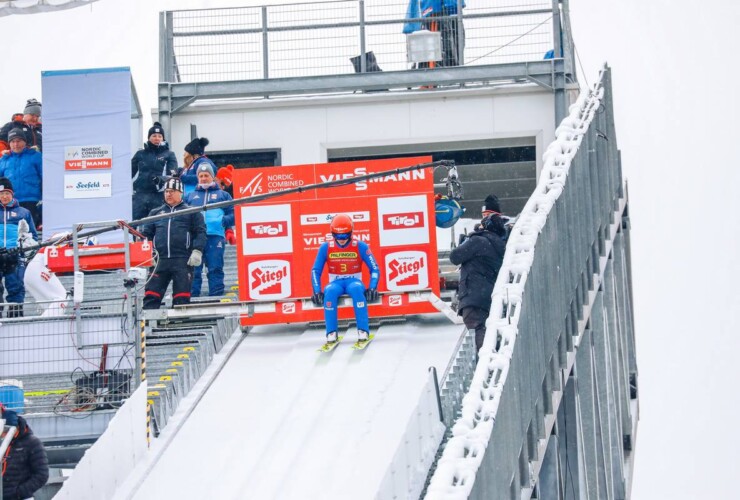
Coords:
344,256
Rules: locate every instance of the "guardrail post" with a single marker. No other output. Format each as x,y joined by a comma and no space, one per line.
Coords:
265,46
460,39
363,59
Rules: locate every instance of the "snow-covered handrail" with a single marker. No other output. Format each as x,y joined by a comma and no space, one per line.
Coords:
457,468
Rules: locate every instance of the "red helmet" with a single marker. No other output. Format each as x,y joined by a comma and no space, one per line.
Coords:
341,227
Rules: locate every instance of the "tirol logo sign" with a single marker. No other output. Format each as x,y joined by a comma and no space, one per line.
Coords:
267,229
269,279
403,221
406,270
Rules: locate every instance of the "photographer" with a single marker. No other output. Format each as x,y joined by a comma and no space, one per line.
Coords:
16,225
150,168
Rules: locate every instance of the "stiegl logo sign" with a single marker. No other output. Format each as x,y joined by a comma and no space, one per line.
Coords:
406,271
269,279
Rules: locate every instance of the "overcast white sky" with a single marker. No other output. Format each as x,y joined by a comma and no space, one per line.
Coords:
677,118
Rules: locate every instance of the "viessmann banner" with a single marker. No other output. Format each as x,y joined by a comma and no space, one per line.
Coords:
279,238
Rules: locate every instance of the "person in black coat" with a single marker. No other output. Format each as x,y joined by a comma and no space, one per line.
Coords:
479,256
150,168
179,242
25,468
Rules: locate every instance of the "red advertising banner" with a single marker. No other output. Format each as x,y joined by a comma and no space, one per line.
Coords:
278,239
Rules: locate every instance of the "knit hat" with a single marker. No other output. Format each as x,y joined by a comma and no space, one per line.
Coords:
156,129
492,204
17,133
33,107
225,175
197,146
205,167
5,184
10,417
173,183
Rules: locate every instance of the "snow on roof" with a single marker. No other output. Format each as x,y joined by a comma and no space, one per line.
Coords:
9,7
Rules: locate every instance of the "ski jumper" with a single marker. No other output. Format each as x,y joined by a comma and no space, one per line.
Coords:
345,277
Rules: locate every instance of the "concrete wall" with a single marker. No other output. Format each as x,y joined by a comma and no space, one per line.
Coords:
304,128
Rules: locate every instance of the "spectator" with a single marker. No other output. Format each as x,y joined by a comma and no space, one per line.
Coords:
15,121
437,16
25,468
150,169
491,206
30,121
480,256
16,223
22,167
179,242
344,257
225,179
194,157
219,222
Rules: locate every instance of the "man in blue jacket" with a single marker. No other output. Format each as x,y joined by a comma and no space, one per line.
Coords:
22,167
16,222
208,192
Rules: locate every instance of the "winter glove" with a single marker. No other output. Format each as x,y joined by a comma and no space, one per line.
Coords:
318,299
371,294
230,237
196,257
463,237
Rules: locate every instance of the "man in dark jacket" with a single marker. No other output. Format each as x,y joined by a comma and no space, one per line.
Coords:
480,257
179,242
25,467
150,168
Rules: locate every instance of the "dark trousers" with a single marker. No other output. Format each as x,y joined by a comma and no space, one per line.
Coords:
213,259
143,203
175,270
475,319
35,209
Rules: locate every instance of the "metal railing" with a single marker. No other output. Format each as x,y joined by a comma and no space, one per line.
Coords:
321,38
561,312
66,366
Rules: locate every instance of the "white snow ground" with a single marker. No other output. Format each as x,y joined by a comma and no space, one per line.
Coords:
282,421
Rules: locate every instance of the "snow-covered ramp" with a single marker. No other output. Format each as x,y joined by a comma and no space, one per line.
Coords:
284,421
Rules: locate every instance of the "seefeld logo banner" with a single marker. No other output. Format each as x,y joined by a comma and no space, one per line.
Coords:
280,238
96,185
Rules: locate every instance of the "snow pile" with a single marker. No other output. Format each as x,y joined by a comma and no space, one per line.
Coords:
463,454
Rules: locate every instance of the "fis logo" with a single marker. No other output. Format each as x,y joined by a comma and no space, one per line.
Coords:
407,270
266,229
253,187
269,279
407,220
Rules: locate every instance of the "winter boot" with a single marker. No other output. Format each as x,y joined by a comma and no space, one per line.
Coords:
362,335
331,337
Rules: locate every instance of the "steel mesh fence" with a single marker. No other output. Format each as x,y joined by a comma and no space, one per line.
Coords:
317,39
62,363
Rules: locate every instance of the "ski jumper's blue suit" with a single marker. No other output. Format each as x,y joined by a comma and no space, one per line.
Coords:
345,277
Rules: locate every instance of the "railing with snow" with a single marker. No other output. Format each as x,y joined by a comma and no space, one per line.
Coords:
541,307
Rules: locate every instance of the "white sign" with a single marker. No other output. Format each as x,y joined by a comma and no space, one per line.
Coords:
96,185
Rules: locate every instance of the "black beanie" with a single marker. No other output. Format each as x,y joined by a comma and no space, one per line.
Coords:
197,146
17,133
173,183
492,204
5,184
156,129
